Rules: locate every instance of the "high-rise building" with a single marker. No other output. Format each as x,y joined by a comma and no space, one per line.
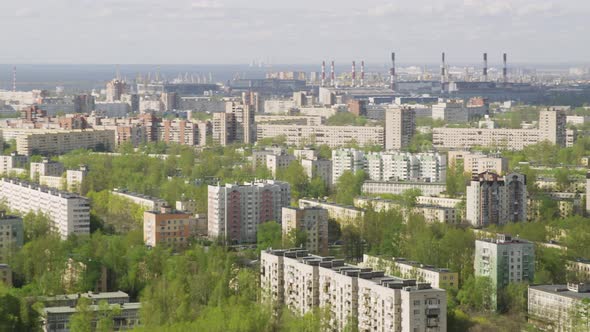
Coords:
236,125
235,211
400,124
69,213
11,235
346,160
370,300
115,89
312,221
553,126
492,199
504,260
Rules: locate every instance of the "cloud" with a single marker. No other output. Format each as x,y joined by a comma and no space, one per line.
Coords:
384,10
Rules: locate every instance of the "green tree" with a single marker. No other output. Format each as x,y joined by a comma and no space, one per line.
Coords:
81,320
269,235
295,175
477,293
349,186
105,315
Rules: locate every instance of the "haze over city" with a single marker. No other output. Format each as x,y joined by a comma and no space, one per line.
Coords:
237,32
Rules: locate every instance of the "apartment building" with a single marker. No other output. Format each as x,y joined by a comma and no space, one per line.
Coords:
168,227
276,162
6,275
504,260
46,168
57,319
181,132
400,126
75,177
13,163
320,168
552,128
235,125
235,211
69,213
56,141
341,213
333,136
11,235
353,295
492,199
558,307
580,268
147,202
71,300
400,267
476,163
397,187
451,111
312,221
432,213
346,160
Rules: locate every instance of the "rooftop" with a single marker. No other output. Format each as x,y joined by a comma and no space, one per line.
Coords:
561,290
45,189
89,295
71,310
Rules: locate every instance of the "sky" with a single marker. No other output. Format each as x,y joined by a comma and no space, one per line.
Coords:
296,31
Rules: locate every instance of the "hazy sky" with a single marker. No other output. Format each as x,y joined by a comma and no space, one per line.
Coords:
298,31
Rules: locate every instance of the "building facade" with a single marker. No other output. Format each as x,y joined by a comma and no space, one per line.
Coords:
69,213
168,227
235,211
11,235
312,221
400,125
558,307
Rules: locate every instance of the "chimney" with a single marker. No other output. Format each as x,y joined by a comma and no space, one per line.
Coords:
392,72
505,70
353,73
323,73
485,67
363,73
332,74
442,74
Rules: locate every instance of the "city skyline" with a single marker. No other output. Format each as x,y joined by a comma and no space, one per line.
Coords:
305,32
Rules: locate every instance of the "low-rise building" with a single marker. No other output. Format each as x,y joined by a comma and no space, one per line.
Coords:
148,202
559,307
168,227
57,319
13,163
75,177
46,168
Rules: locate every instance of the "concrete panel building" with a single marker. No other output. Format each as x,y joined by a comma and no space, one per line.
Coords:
397,188
69,213
46,168
168,227
400,126
148,202
333,136
312,221
235,211
11,235
558,307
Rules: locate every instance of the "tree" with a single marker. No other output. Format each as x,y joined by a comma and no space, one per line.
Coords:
269,235
105,316
16,313
349,186
295,175
36,225
456,178
296,238
477,294
81,320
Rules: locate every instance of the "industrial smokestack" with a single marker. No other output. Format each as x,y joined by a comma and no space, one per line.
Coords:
363,73
353,73
485,67
392,72
14,79
324,73
505,70
332,74
443,68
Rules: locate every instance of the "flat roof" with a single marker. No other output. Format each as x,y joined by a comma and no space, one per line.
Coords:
93,307
90,295
561,290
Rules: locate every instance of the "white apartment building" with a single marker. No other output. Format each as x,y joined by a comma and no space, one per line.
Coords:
431,213
346,160
278,106
333,136
492,199
48,141
69,212
46,168
313,221
397,188
13,163
552,127
147,202
56,182
400,126
400,267
235,211
558,307
476,163
75,177
11,235
274,162
374,301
